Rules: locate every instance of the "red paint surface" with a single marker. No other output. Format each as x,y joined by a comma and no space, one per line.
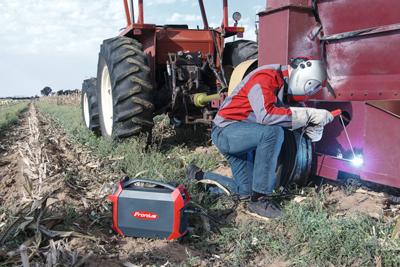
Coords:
127,13
179,204
114,199
364,71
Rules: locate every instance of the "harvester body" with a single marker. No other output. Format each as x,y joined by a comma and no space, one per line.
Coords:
359,42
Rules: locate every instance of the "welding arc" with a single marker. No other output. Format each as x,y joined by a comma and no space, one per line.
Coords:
347,136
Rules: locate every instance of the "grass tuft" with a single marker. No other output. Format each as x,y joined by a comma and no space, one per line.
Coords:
9,114
309,234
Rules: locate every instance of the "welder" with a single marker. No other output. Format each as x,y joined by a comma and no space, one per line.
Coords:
252,118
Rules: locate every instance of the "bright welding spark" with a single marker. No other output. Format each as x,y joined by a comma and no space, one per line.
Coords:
357,161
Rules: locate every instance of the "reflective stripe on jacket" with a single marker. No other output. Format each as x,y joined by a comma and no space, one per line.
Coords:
255,99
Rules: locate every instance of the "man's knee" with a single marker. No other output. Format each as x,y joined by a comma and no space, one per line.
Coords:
273,133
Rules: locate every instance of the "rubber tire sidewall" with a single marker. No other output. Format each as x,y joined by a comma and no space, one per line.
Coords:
91,93
102,63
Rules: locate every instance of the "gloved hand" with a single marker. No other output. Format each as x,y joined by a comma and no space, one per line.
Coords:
314,132
320,117
302,117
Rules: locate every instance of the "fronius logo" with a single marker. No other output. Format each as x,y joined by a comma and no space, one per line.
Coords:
145,215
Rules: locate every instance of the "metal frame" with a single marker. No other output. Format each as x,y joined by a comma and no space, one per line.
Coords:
364,72
130,18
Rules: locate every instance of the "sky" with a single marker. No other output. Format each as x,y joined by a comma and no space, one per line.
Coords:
56,42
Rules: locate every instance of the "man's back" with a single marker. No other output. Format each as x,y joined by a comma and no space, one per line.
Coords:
255,99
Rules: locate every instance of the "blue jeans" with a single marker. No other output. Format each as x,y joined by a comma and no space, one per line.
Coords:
237,142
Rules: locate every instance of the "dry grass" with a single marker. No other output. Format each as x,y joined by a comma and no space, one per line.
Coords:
73,99
10,111
312,233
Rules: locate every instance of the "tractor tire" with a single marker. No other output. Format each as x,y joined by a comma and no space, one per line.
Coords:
124,88
237,52
89,105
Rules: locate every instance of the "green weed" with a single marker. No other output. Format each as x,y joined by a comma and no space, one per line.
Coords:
309,234
9,114
134,157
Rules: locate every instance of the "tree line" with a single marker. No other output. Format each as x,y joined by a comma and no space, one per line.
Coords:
46,91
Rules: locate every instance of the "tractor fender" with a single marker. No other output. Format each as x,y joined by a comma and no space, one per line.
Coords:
240,72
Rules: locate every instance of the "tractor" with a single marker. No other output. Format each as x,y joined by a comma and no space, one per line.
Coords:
162,69
170,69
186,73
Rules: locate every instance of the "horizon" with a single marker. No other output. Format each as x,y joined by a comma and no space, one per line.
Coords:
56,43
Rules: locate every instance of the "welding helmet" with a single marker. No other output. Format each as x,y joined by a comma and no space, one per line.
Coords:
306,78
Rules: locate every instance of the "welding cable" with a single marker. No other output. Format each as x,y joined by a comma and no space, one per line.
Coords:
298,148
200,210
291,177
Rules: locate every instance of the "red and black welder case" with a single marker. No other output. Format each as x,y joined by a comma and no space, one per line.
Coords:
153,212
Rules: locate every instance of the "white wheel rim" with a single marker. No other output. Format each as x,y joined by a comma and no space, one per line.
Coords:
86,110
107,101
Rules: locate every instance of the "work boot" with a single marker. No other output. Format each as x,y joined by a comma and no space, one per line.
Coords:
194,173
264,209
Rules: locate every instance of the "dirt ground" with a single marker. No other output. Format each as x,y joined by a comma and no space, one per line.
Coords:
53,202
65,219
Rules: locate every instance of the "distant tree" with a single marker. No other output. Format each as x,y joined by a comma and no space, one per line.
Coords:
46,91
60,92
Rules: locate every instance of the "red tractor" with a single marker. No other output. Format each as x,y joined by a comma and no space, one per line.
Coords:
151,69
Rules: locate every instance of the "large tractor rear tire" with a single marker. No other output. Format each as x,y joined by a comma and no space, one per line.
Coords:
237,52
124,88
89,105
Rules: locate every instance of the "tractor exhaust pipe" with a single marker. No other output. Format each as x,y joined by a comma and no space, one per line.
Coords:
203,14
132,12
141,13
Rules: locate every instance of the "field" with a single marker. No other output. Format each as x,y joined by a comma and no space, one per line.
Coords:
9,111
61,174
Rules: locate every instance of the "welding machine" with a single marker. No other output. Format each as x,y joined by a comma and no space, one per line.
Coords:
147,208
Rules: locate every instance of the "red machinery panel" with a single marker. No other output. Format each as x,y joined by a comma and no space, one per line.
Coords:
348,15
361,49
284,31
174,40
359,41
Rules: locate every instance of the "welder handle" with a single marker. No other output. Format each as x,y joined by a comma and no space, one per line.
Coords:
336,112
128,182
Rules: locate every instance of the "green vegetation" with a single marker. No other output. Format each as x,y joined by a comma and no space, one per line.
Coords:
9,113
133,157
309,234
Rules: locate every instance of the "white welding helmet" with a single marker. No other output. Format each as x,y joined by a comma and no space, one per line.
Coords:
306,78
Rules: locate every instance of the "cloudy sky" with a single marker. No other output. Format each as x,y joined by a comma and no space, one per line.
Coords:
55,42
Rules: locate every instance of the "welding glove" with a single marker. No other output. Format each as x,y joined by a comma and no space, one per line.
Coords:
314,132
302,117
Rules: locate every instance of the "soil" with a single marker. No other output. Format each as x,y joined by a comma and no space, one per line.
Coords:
358,202
38,163
53,198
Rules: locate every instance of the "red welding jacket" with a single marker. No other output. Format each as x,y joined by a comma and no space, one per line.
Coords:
257,99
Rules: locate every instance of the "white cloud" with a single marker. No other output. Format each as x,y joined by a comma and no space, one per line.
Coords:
258,8
178,17
159,2
36,26
56,42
